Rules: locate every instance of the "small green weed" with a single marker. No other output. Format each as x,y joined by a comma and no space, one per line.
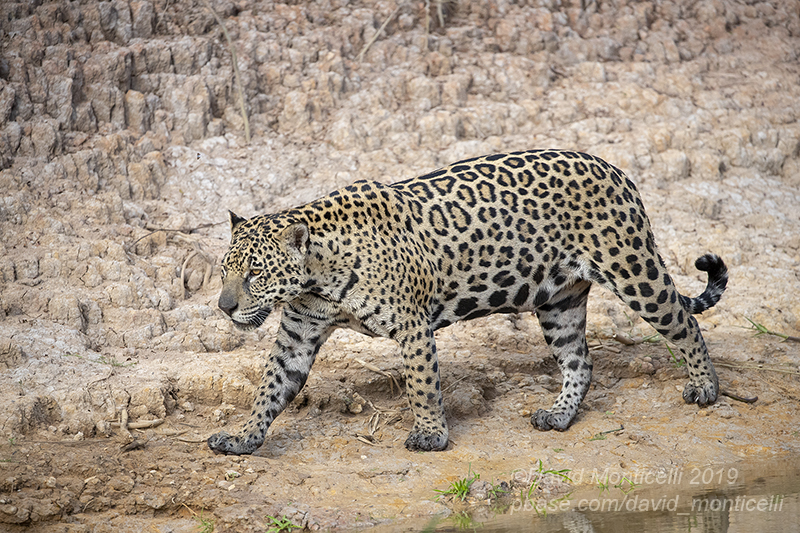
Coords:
563,473
603,434
460,487
677,363
541,472
760,329
279,525
603,486
496,491
655,337
204,525
625,485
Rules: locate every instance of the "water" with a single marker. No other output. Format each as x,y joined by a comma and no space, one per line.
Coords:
737,498
762,497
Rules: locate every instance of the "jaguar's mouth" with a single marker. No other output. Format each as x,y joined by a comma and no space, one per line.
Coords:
245,326
253,321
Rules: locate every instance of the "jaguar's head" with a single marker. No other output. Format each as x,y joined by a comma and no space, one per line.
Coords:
264,266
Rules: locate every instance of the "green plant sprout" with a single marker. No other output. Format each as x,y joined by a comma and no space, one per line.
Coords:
603,486
496,491
603,434
677,363
279,525
760,329
625,489
563,473
204,525
460,487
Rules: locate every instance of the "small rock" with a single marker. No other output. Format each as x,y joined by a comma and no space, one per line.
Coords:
724,410
225,485
224,411
480,490
103,427
13,515
355,404
295,515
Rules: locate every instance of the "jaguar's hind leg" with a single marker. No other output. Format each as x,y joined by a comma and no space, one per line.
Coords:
563,321
674,322
670,314
703,386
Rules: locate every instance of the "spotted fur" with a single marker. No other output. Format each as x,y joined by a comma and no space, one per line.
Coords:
526,231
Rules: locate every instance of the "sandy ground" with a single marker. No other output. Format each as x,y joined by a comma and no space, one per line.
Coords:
121,148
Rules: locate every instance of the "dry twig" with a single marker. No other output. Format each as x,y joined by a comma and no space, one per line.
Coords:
153,231
367,439
198,250
738,398
377,33
191,441
392,379
142,424
374,423
123,424
135,444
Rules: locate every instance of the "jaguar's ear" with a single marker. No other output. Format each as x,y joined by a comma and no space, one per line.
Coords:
235,220
297,238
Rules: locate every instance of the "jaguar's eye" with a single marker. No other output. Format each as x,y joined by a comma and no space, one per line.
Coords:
255,272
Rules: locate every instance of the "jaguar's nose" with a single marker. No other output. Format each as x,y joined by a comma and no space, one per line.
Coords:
228,305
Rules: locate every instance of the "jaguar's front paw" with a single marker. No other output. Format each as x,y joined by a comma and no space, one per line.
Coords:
702,395
427,441
232,445
546,420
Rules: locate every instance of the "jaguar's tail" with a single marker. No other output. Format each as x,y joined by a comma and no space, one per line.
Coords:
717,281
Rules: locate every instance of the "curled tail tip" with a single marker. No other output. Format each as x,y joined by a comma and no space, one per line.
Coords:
717,271
717,282
711,263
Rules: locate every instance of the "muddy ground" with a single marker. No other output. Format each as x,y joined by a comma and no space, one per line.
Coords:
122,146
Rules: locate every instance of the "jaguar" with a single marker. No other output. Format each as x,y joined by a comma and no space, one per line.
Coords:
503,233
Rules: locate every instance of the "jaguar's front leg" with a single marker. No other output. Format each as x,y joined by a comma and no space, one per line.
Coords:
298,341
424,391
